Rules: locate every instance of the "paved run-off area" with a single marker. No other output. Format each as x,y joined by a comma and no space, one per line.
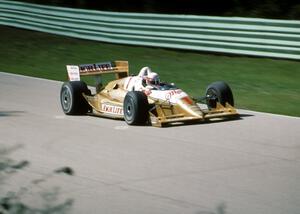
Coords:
250,165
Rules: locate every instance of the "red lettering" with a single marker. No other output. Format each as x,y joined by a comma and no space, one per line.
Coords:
112,109
172,93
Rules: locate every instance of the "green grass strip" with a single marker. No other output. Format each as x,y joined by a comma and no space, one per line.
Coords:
260,84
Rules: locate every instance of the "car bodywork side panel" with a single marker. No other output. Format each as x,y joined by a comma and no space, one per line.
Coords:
109,101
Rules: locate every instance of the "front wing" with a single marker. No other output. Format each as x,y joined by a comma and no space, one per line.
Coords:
167,115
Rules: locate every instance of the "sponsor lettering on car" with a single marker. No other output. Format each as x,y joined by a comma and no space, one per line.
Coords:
96,67
172,93
108,108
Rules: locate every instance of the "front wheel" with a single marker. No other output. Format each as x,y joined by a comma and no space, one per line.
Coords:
136,108
218,92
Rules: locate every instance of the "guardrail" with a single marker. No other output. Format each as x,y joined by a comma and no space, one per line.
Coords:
234,35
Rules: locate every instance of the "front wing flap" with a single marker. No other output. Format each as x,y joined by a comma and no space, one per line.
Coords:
168,114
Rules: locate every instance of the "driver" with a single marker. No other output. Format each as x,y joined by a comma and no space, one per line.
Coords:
149,78
145,81
152,80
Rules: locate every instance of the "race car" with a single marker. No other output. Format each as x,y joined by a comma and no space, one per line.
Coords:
129,97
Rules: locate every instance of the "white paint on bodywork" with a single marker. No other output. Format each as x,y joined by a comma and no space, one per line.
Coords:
172,96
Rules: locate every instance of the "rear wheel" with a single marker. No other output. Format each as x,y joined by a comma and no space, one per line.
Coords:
218,92
71,98
136,108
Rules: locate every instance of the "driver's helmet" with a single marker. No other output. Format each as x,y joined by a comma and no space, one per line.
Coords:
144,72
152,78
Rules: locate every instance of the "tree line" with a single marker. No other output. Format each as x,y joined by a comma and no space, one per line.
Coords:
275,9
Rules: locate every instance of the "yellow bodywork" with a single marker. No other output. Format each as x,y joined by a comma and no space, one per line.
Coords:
108,102
163,114
160,112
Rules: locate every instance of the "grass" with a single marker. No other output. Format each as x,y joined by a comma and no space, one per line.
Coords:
261,84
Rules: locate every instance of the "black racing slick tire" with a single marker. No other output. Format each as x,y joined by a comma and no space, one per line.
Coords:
136,108
72,100
218,92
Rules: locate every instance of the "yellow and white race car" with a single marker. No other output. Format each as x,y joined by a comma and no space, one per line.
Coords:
129,97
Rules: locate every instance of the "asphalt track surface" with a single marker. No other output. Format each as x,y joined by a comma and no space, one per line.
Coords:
250,165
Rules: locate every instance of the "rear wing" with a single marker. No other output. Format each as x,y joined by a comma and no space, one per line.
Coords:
120,68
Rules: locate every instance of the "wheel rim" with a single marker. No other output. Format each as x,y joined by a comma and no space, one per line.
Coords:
129,110
66,99
212,98
212,94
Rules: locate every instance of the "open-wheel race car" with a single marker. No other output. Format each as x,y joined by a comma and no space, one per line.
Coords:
141,99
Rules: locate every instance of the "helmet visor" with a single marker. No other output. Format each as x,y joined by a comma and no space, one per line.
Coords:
154,81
